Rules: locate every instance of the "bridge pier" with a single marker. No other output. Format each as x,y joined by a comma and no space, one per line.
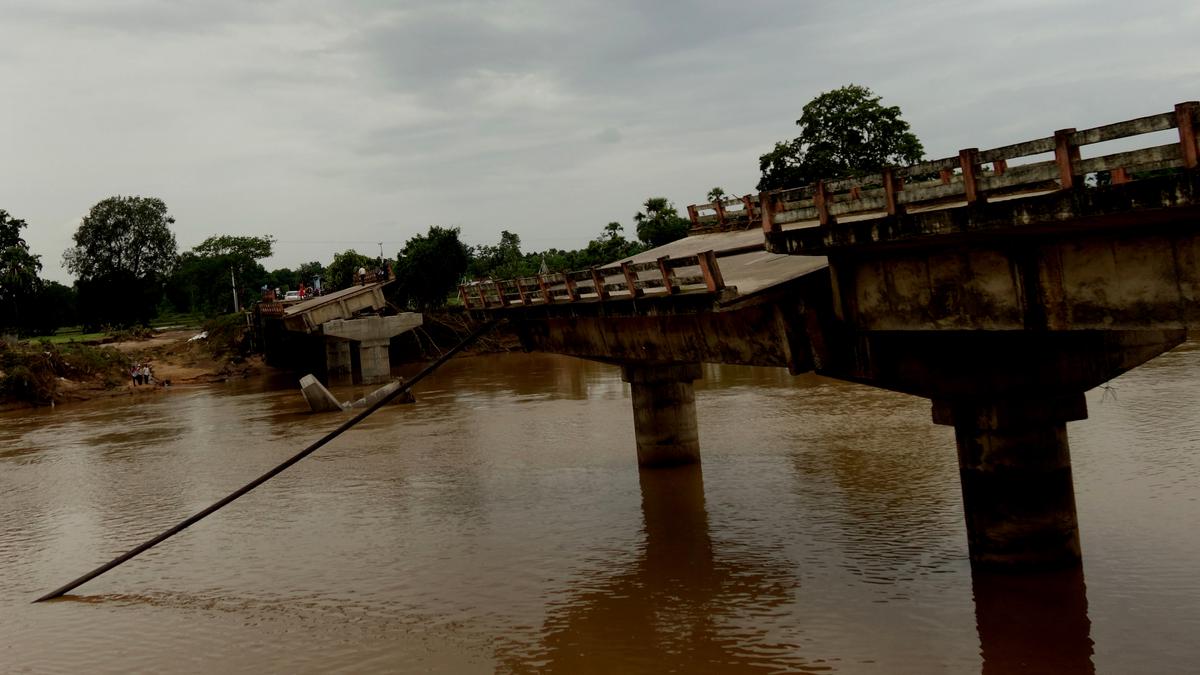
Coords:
1015,467
374,362
373,335
664,413
338,368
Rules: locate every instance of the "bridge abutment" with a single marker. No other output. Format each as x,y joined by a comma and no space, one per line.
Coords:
1015,468
664,413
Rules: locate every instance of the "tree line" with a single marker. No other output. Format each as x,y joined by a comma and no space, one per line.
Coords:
128,268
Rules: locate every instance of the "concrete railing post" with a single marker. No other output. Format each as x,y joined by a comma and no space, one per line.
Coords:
1185,120
631,280
890,187
766,207
821,202
664,413
1015,466
1066,154
968,159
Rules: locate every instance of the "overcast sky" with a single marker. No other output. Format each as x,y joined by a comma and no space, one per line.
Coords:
335,125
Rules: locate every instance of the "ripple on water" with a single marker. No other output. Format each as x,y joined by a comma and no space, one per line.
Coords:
499,524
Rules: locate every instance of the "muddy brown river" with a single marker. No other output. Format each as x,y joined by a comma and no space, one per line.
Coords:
501,524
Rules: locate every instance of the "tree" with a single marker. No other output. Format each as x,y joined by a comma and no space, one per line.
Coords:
429,268
659,223
345,265
130,235
609,247
502,261
844,132
716,194
124,250
241,247
52,306
308,273
202,278
19,270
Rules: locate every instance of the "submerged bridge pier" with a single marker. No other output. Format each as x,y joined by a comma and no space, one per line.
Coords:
998,284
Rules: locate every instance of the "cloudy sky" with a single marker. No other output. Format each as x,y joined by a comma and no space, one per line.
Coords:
335,125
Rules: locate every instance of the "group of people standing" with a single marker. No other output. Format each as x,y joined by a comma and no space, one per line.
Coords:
141,374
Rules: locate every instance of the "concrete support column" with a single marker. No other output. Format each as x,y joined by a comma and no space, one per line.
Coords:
373,335
337,361
1015,467
374,361
664,413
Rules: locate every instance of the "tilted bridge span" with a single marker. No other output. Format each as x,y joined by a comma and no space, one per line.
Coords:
999,284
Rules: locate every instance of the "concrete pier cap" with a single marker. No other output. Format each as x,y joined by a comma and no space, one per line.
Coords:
373,335
664,412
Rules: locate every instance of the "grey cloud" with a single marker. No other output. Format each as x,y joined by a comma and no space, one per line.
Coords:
142,17
609,135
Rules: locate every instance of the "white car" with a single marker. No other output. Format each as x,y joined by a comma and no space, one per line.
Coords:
291,295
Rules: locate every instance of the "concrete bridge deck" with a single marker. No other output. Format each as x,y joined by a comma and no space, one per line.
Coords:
999,284
307,316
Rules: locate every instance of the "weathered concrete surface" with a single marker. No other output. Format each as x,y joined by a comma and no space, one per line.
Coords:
1119,257
1173,198
319,398
338,363
982,309
664,413
1015,468
308,316
373,335
374,397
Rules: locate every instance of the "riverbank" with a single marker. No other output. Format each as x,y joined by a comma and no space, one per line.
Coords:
40,373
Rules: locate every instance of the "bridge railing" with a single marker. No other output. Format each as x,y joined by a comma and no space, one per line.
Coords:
974,175
725,214
664,276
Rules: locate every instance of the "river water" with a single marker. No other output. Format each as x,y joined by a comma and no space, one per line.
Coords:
501,523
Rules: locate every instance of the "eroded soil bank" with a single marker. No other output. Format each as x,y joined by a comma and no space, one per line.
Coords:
38,373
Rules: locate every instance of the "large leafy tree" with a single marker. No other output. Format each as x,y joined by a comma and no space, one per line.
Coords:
503,260
844,132
203,279
123,235
19,269
610,246
429,267
308,273
340,273
659,223
124,250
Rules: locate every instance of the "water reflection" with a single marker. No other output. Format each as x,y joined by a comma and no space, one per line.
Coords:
683,604
1033,623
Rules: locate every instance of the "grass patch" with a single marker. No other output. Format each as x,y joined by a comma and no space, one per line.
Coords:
72,334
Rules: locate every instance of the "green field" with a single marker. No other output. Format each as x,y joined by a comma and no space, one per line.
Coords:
76,334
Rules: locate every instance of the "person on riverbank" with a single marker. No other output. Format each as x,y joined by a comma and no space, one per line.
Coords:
135,374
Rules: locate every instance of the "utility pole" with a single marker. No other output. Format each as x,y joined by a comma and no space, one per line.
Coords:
233,285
